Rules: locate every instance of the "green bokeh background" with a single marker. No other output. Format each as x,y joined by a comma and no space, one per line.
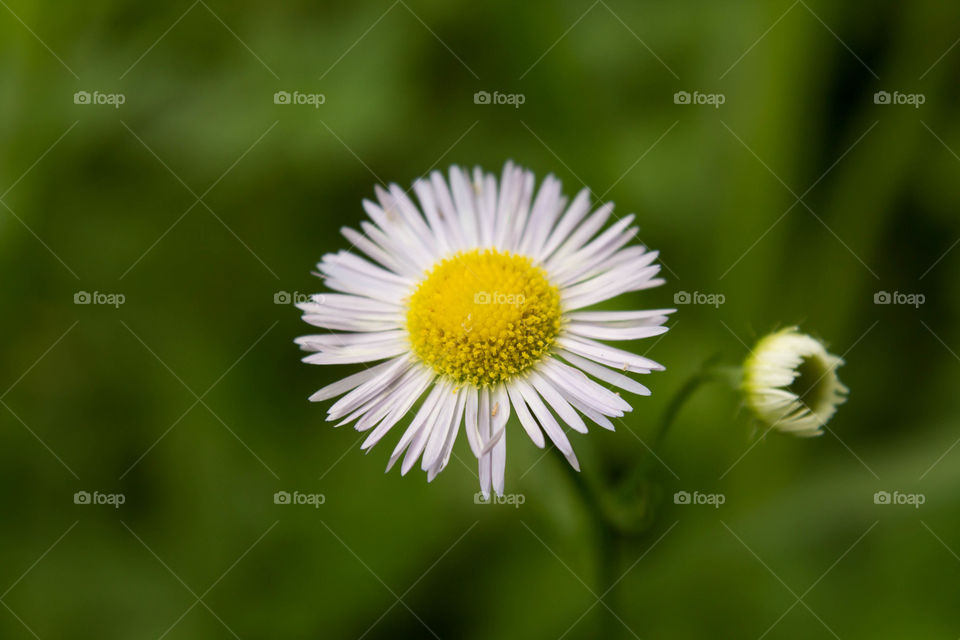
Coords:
190,400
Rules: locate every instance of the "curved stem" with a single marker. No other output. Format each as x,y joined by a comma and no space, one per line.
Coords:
609,537
706,373
585,491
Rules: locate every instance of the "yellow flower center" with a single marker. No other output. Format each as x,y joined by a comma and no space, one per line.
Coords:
482,317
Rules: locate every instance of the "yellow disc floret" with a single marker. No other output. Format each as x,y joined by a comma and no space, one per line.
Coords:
483,316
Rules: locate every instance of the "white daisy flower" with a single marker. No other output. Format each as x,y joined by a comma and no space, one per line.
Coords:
791,384
475,300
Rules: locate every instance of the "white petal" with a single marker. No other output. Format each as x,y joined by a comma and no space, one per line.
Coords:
436,220
486,206
350,382
609,285
511,185
451,438
574,383
523,413
463,198
378,407
399,247
359,353
448,210
639,317
575,212
605,374
368,389
595,416
485,463
547,421
607,355
372,249
557,403
499,464
444,422
423,414
600,332
413,217
523,212
341,301
406,398
583,233
547,205
470,420
321,342
344,264
595,253
347,323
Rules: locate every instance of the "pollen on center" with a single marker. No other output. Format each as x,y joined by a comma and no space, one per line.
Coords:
483,316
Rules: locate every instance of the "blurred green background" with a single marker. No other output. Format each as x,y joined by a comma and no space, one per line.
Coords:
199,200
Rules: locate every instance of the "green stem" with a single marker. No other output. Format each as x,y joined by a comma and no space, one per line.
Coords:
608,541
607,531
707,373
609,572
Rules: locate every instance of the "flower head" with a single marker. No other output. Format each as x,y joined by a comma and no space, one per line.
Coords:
791,383
474,302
